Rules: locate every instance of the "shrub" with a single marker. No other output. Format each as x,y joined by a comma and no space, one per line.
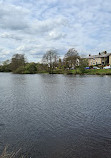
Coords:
20,70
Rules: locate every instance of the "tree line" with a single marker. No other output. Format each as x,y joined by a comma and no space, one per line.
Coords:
51,63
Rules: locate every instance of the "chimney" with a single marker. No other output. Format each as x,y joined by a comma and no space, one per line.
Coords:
99,53
89,55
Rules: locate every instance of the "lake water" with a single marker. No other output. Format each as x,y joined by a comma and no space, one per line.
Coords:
56,116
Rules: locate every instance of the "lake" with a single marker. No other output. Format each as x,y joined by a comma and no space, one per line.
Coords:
56,116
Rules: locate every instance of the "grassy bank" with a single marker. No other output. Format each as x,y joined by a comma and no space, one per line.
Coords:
77,71
98,72
85,72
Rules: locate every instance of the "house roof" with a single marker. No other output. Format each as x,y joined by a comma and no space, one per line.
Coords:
100,55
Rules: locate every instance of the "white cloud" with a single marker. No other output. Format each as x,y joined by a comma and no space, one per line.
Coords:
4,53
56,35
13,17
32,27
11,36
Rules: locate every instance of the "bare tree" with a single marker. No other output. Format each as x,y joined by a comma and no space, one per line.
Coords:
71,58
50,58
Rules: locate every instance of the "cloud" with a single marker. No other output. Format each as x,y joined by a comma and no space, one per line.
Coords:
56,35
11,36
13,17
32,27
18,19
4,53
41,27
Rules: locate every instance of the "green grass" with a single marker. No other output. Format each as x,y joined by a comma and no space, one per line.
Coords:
80,71
98,72
89,72
85,72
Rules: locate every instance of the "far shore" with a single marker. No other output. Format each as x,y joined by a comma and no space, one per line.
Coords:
73,72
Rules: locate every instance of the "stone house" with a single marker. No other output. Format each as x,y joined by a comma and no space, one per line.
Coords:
103,58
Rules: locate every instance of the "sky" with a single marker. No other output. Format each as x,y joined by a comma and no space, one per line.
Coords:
32,27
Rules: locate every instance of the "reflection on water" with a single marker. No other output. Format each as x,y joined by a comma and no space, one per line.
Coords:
56,116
